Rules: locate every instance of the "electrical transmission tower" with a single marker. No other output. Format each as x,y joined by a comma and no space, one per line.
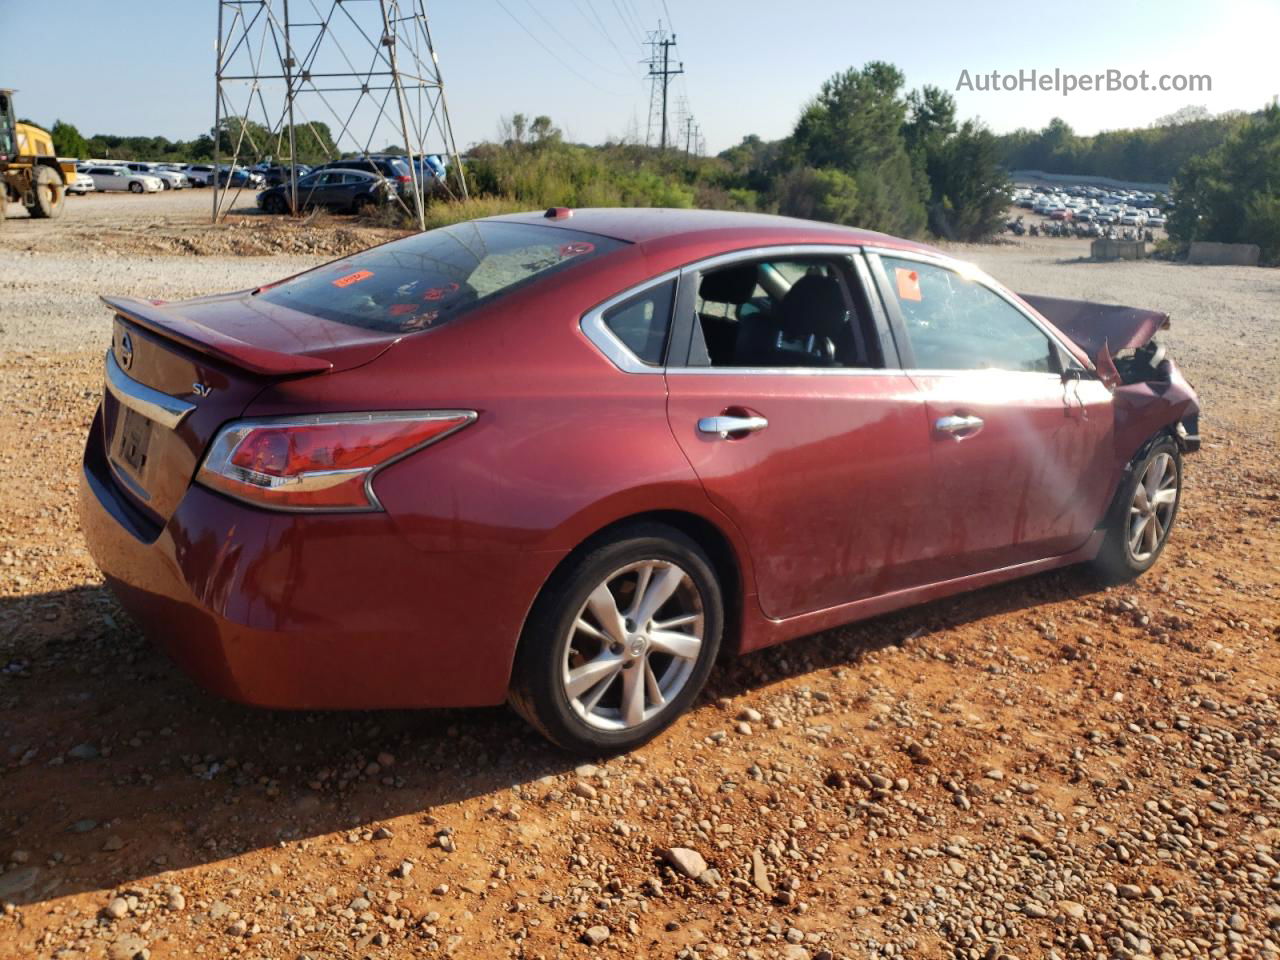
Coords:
344,77
661,72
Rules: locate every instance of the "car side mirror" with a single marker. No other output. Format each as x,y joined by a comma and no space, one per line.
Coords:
1062,364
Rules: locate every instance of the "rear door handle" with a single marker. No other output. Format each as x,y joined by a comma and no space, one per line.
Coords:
724,426
958,426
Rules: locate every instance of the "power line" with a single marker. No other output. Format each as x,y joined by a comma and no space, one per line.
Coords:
635,35
605,31
534,37
570,43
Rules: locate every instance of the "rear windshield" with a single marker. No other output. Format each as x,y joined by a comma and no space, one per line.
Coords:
431,278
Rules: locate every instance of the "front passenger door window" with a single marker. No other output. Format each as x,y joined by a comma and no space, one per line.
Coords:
954,323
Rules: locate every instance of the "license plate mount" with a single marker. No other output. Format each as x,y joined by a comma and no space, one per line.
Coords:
133,440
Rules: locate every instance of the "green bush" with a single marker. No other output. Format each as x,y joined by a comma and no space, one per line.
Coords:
1232,193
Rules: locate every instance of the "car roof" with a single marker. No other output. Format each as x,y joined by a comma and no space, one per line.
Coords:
363,173
664,228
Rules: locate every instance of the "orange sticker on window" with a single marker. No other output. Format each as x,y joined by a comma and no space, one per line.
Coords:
908,284
351,278
439,293
400,309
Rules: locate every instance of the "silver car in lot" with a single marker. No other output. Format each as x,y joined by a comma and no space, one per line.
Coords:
108,177
82,184
170,179
200,174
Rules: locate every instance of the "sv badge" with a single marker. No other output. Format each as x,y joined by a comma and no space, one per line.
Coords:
201,390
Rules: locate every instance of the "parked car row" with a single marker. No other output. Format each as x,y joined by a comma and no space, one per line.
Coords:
1089,204
345,185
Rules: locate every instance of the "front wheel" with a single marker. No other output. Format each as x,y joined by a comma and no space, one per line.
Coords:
1143,514
135,187
620,642
48,193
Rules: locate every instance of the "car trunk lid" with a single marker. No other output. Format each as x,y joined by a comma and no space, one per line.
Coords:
176,372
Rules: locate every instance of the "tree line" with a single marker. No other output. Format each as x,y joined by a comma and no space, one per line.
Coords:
313,141
1150,154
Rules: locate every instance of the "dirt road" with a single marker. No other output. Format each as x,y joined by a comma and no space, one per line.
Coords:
1040,769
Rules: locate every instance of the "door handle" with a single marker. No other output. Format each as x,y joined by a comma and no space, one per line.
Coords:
958,426
724,426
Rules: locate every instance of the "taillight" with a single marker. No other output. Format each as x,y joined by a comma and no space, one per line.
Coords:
320,462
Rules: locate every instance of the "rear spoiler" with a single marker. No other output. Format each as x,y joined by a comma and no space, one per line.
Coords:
168,323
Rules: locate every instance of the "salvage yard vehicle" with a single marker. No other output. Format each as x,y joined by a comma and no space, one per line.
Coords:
169,179
82,184
200,174
562,459
30,172
107,177
336,189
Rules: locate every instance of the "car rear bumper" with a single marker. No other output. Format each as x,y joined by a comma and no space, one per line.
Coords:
310,611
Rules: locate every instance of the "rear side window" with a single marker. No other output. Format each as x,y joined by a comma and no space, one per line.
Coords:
432,278
642,321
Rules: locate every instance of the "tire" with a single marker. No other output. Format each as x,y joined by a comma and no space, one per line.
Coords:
275,205
50,193
135,187
165,185
1137,527
589,711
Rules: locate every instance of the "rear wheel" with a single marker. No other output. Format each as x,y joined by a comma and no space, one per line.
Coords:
48,192
620,643
1143,514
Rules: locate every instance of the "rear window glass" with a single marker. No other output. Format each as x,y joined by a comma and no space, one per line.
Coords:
429,279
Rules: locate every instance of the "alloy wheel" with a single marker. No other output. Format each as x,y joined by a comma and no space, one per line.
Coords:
1151,511
633,645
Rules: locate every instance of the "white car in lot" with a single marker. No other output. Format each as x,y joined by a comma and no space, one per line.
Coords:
82,184
1133,218
121,178
170,179
200,174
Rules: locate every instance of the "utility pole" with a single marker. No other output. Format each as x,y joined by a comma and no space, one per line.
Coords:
688,133
660,72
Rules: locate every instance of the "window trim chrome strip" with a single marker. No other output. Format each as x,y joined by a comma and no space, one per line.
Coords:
163,409
607,342
597,331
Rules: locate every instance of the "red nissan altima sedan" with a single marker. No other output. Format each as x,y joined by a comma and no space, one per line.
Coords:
562,459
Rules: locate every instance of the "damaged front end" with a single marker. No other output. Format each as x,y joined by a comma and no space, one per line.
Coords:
1150,393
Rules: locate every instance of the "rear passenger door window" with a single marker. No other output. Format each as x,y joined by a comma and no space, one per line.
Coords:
952,322
788,312
643,321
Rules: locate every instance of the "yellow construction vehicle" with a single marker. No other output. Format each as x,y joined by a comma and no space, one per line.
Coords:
30,172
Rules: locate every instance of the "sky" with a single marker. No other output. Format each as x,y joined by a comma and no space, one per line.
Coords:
749,65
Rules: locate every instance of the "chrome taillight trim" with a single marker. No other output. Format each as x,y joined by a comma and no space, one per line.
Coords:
320,479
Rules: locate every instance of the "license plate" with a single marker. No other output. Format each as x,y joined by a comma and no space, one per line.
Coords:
133,437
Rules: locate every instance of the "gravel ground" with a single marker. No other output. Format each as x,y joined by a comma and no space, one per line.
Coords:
1043,769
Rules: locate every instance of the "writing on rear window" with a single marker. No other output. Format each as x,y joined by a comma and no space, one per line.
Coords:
432,278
